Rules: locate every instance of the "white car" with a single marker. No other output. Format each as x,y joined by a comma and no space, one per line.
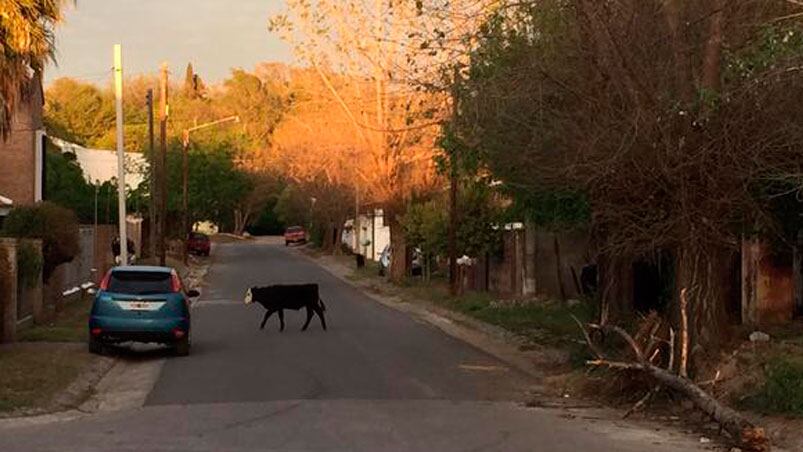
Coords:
385,261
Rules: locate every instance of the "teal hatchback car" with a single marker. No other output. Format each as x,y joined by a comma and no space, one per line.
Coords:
141,304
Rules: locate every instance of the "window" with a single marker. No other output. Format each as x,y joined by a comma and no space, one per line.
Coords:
140,283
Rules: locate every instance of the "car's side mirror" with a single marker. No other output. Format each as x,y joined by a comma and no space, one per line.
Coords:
193,293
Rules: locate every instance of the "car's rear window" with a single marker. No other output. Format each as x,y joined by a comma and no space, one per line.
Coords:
196,236
295,229
140,283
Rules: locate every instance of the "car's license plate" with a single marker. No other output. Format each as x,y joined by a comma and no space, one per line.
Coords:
140,305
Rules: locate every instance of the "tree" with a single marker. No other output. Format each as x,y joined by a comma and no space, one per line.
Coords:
356,50
591,98
265,189
78,112
56,226
216,186
26,37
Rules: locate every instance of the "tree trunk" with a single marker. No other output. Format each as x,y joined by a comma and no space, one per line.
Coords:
615,288
699,271
398,255
712,60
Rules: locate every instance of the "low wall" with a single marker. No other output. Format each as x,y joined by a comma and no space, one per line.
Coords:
20,295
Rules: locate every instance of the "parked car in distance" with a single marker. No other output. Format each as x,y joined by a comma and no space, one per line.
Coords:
294,234
199,244
385,260
141,304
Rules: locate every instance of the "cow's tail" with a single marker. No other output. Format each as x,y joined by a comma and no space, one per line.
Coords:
323,306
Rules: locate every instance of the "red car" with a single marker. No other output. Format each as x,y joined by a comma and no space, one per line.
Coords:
198,244
294,234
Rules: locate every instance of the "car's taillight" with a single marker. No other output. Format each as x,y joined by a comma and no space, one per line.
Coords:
104,283
175,282
95,331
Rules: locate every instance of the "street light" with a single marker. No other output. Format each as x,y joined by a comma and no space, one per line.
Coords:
185,141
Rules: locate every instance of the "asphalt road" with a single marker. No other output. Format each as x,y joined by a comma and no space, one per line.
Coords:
375,381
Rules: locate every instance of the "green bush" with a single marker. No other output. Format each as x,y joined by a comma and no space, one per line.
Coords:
783,390
56,226
29,264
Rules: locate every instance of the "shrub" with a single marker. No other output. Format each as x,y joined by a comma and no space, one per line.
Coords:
56,226
29,264
783,390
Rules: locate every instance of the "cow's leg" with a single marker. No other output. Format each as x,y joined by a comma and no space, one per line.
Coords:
319,311
268,313
281,319
309,317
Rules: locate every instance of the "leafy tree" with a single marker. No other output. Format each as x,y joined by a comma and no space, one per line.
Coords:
215,185
26,36
626,107
78,112
56,226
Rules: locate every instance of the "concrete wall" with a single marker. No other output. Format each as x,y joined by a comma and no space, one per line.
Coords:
19,303
94,259
8,290
18,171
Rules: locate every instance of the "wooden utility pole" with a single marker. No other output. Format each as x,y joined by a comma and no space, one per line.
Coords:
154,203
356,226
162,162
185,195
121,198
453,180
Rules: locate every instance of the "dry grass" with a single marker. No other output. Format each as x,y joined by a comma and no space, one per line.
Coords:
33,374
69,326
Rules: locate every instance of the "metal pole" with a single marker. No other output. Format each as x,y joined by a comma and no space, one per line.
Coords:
121,197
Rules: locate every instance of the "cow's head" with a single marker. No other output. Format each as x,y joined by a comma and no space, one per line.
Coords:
249,297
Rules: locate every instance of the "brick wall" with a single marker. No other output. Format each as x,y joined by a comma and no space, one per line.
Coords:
18,171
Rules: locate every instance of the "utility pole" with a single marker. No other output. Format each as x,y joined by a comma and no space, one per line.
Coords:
118,94
357,245
152,182
185,198
162,162
453,180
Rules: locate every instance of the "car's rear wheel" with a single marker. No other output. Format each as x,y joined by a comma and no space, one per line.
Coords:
182,347
96,347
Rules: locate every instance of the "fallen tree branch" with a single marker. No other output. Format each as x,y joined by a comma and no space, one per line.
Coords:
748,436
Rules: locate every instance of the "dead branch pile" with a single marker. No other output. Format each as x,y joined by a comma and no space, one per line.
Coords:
665,363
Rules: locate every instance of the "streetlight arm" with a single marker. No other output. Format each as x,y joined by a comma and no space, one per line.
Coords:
210,124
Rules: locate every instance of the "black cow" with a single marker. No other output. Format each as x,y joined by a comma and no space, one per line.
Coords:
293,296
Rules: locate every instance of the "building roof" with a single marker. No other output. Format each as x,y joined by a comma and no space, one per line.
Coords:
100,165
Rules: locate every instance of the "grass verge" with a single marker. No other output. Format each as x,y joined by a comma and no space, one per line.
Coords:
69,326
540,322
782,391
33,374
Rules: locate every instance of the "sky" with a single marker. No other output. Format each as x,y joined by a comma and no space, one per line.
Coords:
214,35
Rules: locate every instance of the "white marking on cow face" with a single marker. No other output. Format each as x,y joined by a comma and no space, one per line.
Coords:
249,297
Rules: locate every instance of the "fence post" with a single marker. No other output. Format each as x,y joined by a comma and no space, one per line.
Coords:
8,290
